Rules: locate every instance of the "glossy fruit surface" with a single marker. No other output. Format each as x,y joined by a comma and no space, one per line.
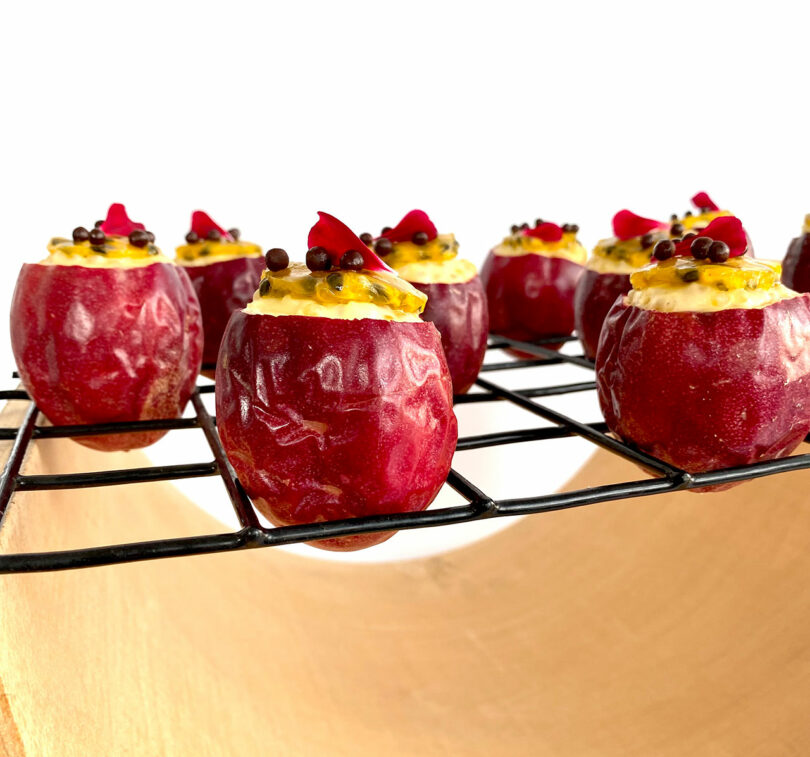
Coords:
325,418
459,312
100,345
705,391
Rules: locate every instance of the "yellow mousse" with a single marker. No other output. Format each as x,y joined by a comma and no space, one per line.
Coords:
567,247
114,252
623,255
699,221
684,284
207,251
436,262
337,294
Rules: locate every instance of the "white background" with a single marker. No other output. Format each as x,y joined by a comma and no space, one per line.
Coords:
482,114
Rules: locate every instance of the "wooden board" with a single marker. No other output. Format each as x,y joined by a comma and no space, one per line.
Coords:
675,625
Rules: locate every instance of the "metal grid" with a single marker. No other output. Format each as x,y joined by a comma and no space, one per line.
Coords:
251,533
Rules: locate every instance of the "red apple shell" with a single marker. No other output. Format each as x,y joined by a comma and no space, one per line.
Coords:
101,345
796,266
459,312
324,418
704,391
595,294
222,287
530,296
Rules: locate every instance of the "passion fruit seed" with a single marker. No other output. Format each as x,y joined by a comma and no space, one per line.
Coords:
151,237
235,233
97,224
676,229
719,252
264,287
276,259
690,274
97,236
318,259
514,228
700,248
335,280
352,260
420,238
138,238
80,234
214,235
524,226
664,249
192,237
688,214
366,238
383,247
646,241
673,217
539,222
571,228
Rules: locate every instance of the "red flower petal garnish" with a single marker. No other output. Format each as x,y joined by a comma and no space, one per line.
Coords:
117,223
548,232
701,200
202,223
728,229
627,225
337,238
416,220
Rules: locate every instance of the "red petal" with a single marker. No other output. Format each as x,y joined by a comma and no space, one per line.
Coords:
627,225
728,229
416,220
118,224
702,200
337,238
548,232
202,223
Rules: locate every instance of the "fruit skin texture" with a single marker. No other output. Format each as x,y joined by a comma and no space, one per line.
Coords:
595,294
222,287
530,296
796,266
101,345
459,312
324,418
704,391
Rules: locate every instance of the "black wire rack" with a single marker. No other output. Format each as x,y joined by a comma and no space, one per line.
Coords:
478,505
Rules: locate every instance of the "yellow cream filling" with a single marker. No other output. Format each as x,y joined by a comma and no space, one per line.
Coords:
454,271
113,248
699,221
206,251
623,255
116,252
337,294
806,226
685,284
568,247
443,247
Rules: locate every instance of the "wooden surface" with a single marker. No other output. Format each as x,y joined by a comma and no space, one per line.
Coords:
675,625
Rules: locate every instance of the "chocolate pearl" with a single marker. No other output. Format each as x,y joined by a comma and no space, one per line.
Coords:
719,252
420,238
276,259
138,238
366,238
385,229
151,237
97,236
383,247
539,221
690,275
235,233
80,234
318,259
97,224
515,228
214,235
700,248
572,228
673,217
690,235
265,287
664,250
192,238
676,229
352,260
647,241
687,214
524,226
